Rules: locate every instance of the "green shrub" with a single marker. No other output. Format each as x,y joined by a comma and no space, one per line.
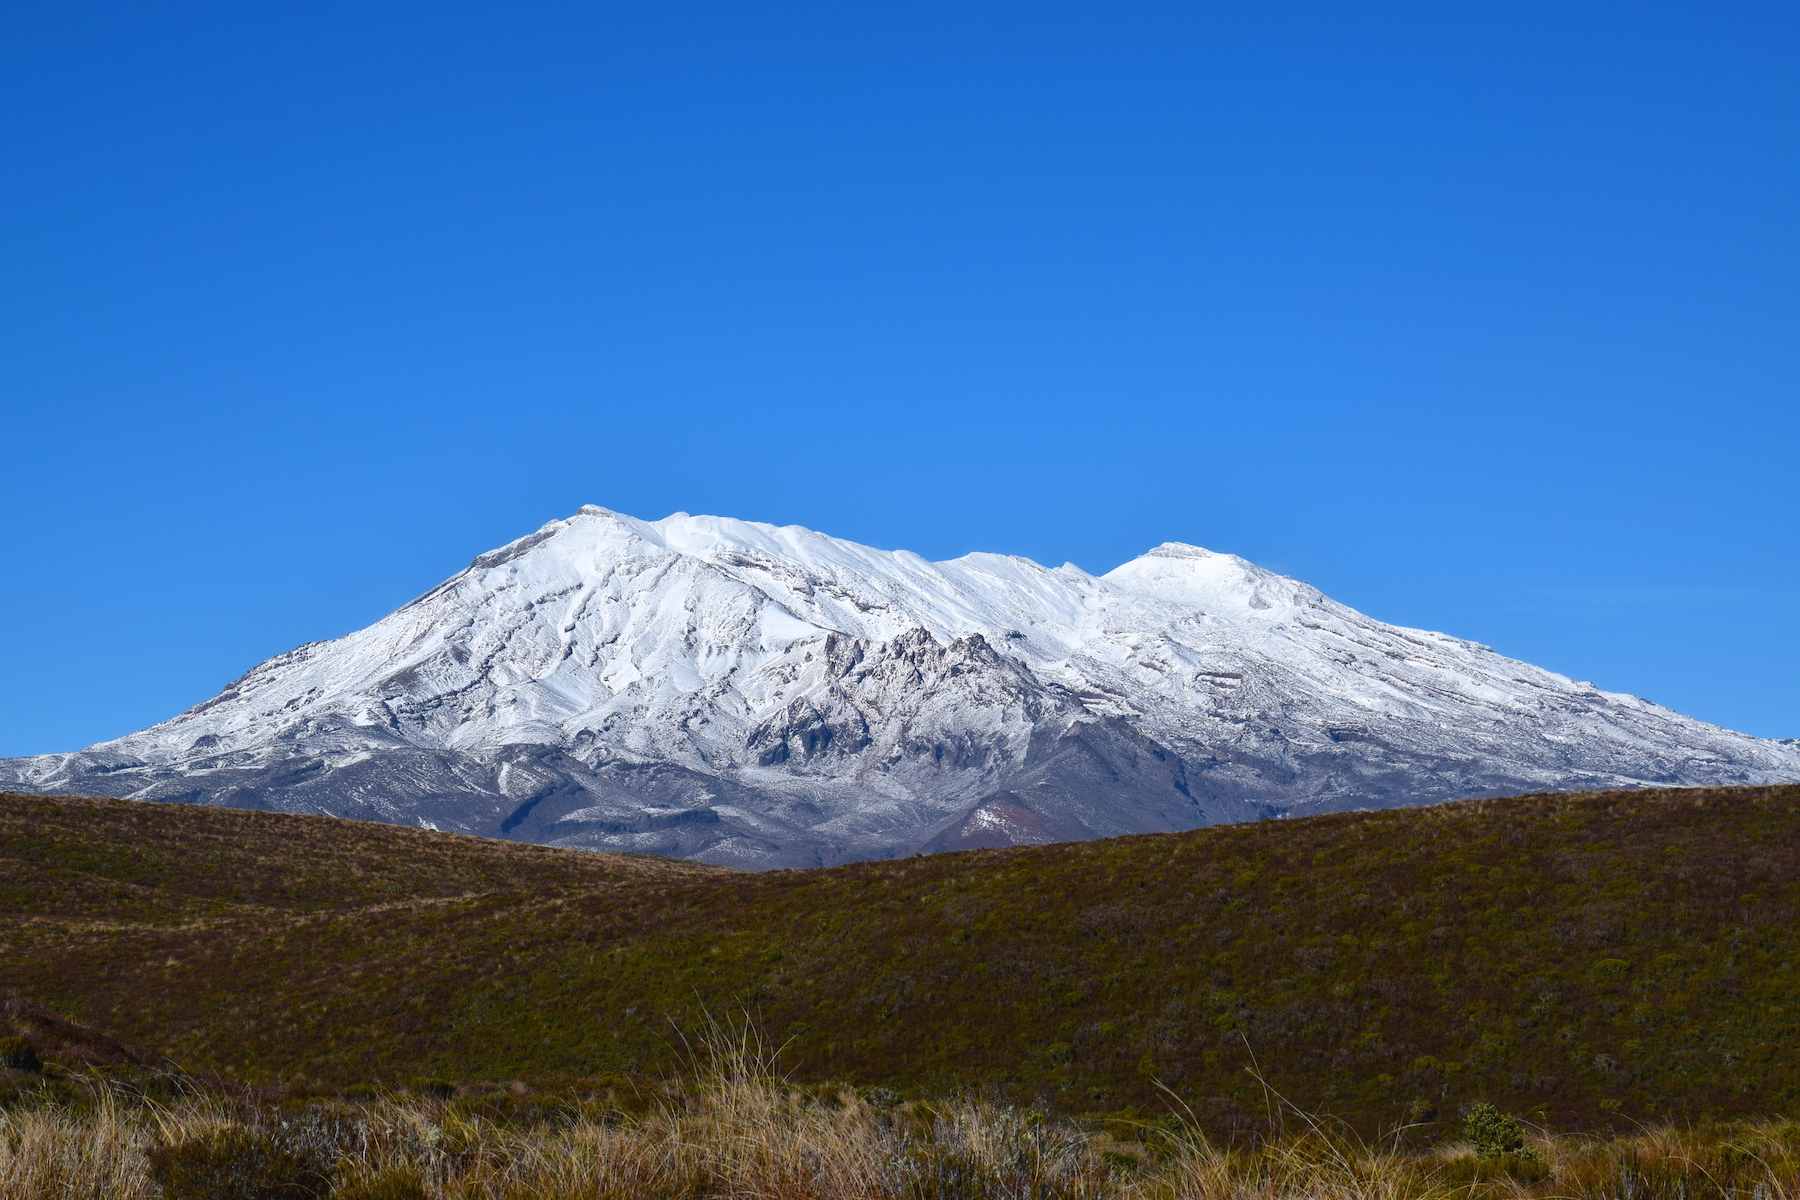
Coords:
401,1183
16,1054
1494,1134
360,1091
236,1164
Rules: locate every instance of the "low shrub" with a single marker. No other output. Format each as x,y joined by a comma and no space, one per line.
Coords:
16,1054
236,1163
1493,1134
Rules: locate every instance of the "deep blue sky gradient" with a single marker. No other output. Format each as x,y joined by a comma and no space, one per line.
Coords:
1479,317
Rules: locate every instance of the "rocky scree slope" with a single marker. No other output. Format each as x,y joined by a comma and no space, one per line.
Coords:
760,696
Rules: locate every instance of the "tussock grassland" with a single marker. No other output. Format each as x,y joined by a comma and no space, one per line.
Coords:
1592,962
742,1132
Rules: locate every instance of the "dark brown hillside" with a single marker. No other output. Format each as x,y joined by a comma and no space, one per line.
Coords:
119,860
1580,958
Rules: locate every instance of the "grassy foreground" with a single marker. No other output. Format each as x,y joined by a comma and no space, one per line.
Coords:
740,1131
1589,962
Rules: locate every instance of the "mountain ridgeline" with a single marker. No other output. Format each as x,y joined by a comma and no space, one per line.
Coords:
772,697
1579,959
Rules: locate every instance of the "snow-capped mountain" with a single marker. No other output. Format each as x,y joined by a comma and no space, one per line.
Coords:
765,696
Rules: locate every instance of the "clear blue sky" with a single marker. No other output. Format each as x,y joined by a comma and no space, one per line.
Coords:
1481,318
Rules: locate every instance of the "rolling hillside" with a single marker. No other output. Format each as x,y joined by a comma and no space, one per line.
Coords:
1580,958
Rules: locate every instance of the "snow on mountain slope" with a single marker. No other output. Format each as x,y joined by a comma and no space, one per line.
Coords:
772,696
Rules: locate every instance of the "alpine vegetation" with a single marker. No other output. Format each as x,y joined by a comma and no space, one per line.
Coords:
772,697
749,1134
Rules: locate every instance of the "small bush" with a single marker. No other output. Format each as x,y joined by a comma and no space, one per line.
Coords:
16,1054
236,1164
435,1089
1494,1134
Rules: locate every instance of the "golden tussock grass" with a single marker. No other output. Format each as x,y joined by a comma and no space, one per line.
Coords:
744,1133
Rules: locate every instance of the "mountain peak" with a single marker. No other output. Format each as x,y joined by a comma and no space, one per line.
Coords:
765,695
1212,582
1182,550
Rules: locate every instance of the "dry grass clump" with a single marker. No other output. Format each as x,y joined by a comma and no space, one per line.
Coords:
97,1154
743,1133
1742,1161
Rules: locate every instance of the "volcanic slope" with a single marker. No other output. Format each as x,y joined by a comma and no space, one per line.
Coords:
760,696
1576,958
